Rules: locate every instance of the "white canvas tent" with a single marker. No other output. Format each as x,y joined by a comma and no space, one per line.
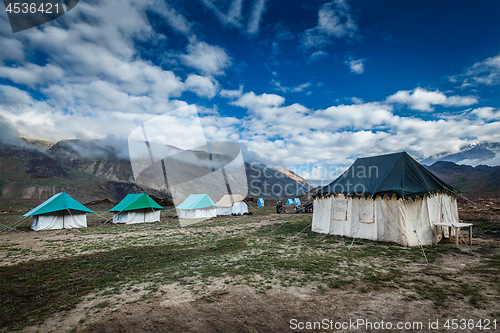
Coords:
59,212
239,208
136,208
197,206
227,205
400,202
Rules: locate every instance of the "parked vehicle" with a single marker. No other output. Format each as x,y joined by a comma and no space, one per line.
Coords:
308,207
298,209
279,208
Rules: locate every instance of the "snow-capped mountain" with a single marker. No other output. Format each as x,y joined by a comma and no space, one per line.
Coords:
482,153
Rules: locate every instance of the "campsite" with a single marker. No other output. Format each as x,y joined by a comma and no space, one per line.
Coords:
254,166
251,273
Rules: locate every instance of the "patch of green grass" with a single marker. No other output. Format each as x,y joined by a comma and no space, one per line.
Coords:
102,305
34,290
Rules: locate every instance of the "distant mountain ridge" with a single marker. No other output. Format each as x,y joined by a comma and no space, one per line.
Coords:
481,181
472,154
90,170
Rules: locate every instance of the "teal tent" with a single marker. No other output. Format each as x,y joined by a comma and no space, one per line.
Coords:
136,208
260,202
58,212
296,201
289,202
197,206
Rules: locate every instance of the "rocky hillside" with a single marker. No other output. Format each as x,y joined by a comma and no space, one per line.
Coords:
474,182
89,170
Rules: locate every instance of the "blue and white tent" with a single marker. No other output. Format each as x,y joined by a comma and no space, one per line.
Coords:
290,202
296,201
197,206
260,202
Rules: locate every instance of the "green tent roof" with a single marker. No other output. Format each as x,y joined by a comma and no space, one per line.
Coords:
58,202
197,201
393,174
135,201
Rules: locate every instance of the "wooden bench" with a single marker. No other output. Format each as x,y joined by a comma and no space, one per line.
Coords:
456,226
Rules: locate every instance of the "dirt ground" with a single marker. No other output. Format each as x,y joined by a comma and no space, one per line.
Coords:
240,307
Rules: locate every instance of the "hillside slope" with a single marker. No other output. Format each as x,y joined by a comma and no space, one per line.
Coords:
475,182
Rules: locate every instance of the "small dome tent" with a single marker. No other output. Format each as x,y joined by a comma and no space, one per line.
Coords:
290,202
386,198
231,204
136,208
60,211
296,201
260,202
197,206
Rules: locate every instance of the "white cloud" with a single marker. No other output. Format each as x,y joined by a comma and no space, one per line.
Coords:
423,100
31,74
232,94
317,56
254,22
11,49
232,14
484,72
202,86
356,66
334,21
12,96
256,102
209,59
339,134
299,88
177,21
486,113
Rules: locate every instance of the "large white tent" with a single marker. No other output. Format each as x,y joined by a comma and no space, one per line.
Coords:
59,212
231,204
386,198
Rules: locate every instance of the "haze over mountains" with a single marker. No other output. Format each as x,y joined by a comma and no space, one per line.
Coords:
89,170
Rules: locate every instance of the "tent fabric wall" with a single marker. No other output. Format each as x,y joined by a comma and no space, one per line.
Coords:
260,202
322,215
290,202
66,219
198,213
224,210
406,222
239,208
137,216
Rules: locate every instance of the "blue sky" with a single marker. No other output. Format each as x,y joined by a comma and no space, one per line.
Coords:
295,83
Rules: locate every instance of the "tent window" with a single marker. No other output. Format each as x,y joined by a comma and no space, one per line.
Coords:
366,211
339,208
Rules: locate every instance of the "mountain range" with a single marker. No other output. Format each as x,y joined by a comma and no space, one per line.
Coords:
483,153
481,181
89,170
